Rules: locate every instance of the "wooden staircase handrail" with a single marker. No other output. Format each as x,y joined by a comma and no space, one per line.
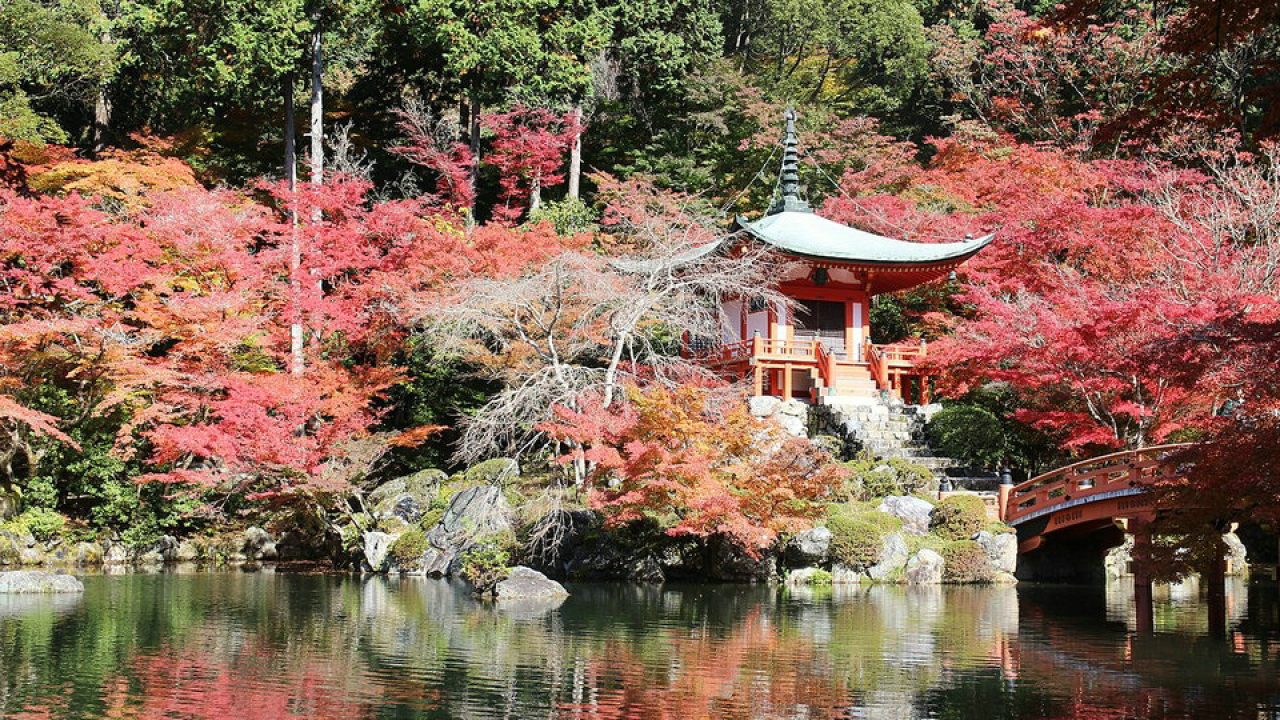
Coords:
826,365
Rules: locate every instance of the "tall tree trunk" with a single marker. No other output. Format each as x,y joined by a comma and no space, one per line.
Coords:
101,108
101,120
297,361
474,134
317,104
575,155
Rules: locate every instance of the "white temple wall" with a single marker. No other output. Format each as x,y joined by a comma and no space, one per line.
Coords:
757,322
731,322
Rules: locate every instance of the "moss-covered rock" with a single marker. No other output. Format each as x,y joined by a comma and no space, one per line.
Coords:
406,552
958,517
407,497
965,561
9,503
10,550
498,471
858,534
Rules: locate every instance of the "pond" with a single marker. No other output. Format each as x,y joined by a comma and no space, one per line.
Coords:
277,645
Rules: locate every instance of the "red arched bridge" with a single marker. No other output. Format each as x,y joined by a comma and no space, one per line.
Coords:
1067,519
1086,496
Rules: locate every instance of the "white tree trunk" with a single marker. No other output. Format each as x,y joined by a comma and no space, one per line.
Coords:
297,361
575,156
101,108
317,106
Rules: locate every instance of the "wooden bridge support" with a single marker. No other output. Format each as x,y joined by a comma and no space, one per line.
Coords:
1214,578
1142,585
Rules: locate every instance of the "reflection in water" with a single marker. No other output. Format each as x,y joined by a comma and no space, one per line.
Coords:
267,645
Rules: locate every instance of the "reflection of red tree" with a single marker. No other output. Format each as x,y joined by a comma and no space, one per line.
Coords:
752,671
259,682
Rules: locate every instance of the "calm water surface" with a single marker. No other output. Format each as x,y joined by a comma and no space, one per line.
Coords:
274,645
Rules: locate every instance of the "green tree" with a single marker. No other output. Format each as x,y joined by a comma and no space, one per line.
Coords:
52,62
865,56
535,51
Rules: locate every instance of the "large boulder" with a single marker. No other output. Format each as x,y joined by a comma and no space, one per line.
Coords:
557,537
9,502
728,560
377,545
1116,562
473,515
810,547
792,415
116,554
258,545
892,558
38,581
1237,556
32,555
763,406
924,568
913,511
10,548
526,583
86,554
605,559
1001,550
406,497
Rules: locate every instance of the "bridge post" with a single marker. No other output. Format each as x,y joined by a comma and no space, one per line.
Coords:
1006,489
1214,577
1142,586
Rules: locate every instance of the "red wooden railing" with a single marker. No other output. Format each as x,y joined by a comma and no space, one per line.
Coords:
769,348
826,365
891,364
1087,481
906,354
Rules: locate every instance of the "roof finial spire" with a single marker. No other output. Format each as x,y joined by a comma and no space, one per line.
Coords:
788,196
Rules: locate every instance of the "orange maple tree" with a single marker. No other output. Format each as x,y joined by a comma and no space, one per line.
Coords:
675,458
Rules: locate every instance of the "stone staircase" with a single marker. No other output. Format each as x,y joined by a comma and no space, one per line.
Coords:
883,427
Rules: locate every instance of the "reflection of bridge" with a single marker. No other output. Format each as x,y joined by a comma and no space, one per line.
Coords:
1068,518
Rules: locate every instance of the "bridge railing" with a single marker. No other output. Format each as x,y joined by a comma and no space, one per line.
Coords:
1079,482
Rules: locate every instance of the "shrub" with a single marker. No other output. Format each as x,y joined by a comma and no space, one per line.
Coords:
870,478
407,550
965,562
818,578
969,433
857,536
43,523
484,566
958,517
567,216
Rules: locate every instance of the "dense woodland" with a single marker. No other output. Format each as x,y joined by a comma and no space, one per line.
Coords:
256,257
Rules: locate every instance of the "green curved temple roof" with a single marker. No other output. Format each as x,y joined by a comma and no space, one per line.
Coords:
809,235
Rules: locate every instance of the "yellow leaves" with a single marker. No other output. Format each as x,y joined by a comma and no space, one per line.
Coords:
123,177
